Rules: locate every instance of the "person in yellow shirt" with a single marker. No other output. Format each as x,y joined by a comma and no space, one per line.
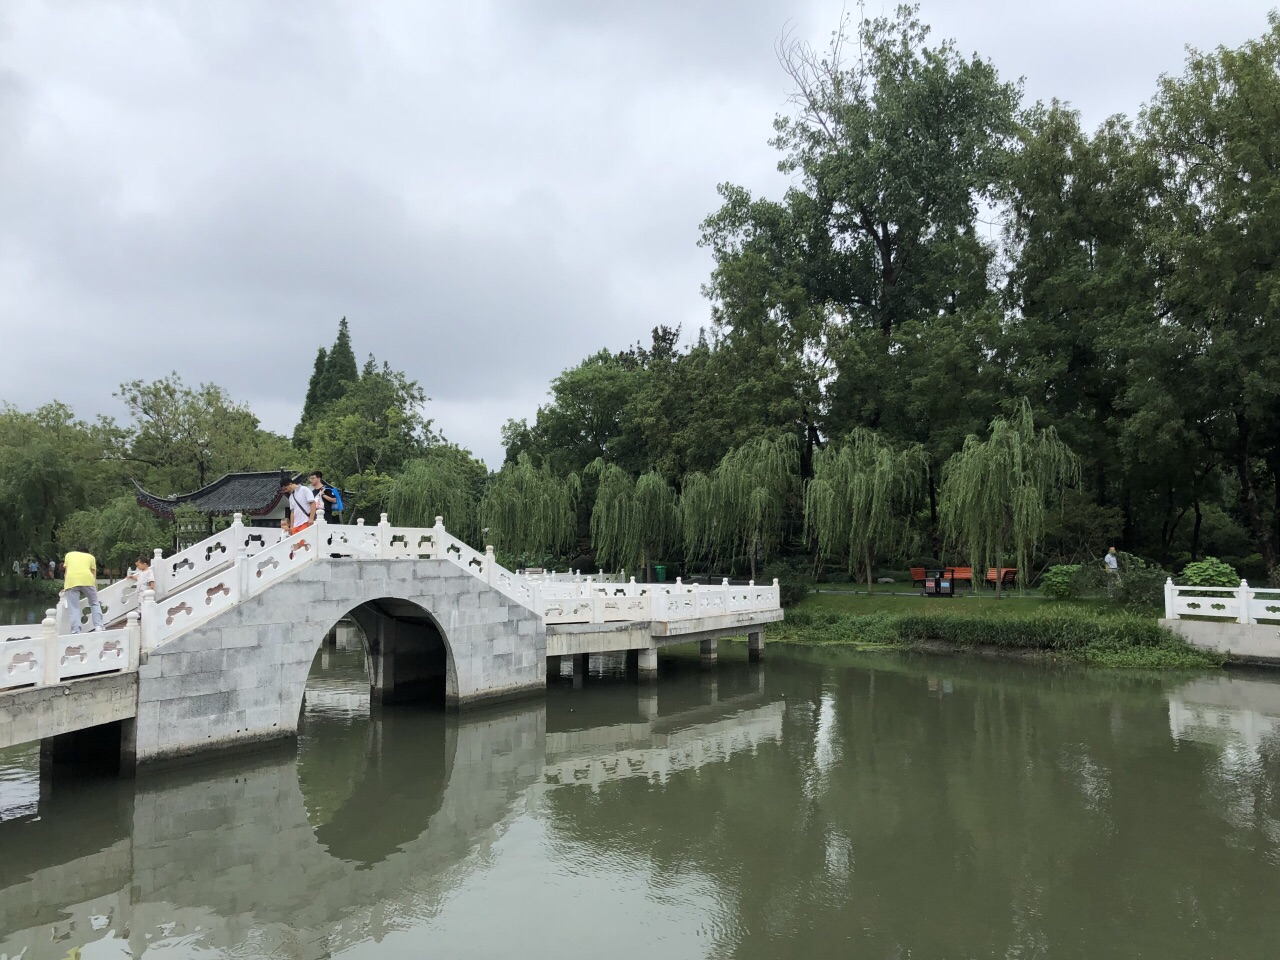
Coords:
81,584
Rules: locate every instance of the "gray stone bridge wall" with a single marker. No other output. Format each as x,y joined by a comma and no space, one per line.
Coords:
240,678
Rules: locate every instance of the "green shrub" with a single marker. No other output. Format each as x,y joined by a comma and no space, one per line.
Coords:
1209,572
795,581
1060,581
1141,587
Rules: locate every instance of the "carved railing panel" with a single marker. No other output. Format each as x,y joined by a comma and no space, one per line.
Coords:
22,662
82,654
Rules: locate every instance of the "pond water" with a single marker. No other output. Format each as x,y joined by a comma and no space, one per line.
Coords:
823,804
19,610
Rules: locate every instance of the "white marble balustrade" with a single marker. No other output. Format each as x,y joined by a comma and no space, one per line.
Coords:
175,572
240,562
48,658
1242,604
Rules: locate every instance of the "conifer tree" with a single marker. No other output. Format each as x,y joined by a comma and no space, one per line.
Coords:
340,368
309,404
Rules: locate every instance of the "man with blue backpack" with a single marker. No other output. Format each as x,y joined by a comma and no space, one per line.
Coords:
330,498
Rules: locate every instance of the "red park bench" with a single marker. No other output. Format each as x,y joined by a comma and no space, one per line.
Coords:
1008,577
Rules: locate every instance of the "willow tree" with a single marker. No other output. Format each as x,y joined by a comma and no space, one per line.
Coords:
697,516
633,522
860,495
743,510
446,482
995,491
529,512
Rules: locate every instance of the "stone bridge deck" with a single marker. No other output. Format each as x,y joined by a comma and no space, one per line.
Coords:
221,649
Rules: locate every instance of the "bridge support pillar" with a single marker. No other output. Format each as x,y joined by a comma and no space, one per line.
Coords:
708,650
559,668
646,662
755,646
581,667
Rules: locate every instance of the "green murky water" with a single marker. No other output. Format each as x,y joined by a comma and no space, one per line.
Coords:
821,805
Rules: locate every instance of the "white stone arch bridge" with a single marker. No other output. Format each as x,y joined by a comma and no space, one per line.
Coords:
219,653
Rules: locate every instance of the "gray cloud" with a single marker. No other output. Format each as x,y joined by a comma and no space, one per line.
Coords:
489,191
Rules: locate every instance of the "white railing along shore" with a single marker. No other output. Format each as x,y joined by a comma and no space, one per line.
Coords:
206,579
1242,604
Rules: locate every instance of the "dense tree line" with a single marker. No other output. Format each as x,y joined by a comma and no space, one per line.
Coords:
964,313
944,254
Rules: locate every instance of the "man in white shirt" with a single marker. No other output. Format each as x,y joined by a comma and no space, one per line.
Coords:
1113,571
301,505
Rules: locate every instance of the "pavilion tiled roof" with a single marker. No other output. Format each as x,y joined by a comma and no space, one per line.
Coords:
254,494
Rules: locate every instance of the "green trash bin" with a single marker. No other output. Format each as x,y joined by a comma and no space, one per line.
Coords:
660,573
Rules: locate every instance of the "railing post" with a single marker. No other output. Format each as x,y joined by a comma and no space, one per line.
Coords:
157,571
52,655
242,566
1242,594
437,537
62,614
384,537
237,528
631,588
777,593
149,620
133,637
489,564
1169,593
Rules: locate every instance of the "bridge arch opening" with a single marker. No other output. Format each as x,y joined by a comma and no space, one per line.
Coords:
352,761
407,654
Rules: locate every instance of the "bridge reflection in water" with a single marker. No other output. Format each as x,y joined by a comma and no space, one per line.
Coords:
362,831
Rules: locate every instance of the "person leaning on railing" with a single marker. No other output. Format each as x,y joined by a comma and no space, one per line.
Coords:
82,583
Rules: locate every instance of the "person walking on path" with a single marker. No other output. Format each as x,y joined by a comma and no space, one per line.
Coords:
81,584
1112,561
325,497
302,505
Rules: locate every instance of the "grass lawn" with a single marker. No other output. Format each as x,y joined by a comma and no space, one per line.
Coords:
1088,631
964,605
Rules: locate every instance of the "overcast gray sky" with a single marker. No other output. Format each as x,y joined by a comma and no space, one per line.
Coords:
489,191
